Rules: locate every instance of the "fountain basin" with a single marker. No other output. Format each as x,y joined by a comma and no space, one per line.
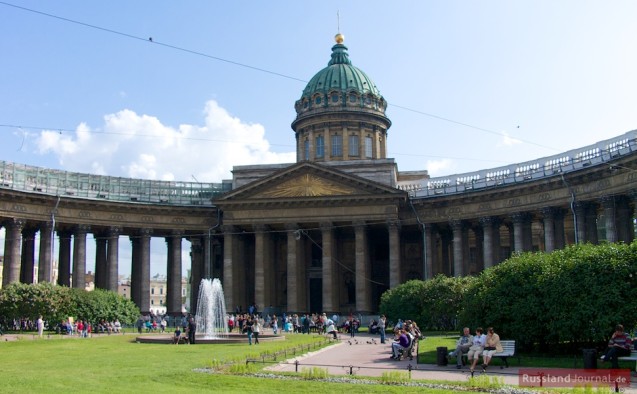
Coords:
231,338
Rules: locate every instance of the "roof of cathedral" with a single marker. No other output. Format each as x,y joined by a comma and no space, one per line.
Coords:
340,75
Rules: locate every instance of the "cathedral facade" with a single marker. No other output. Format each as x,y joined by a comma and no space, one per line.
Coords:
329,233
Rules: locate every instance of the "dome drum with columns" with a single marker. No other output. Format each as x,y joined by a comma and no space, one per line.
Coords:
329,233
341,114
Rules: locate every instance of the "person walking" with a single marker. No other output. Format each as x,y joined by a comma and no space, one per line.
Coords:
192,328
247,328
40,325
256,329
382,323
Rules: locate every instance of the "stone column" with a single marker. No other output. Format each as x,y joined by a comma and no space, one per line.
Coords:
429,240
64,258
28,255
558,220
591,223
363,269
144,284
196,271
608,203
79,256
519,220
625,225
261,264
46,256
101,268
229,241
112,259
488,248
330,303
549,229
457,227
580,215
394,253
173,291
12,251
294,279
135,281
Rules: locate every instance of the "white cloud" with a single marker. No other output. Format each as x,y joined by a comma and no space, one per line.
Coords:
140,146
436,167
508,140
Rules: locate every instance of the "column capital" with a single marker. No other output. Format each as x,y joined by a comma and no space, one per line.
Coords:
457,224
48,225
487,221
359,224
229,229
114,231
145,232
291,226
82,229
325,226
520,217
607,201
261,228
393,224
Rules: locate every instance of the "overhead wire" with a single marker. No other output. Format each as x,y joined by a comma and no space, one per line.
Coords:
244,65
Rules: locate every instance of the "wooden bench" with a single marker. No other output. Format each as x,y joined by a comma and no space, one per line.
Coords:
632,357
508,350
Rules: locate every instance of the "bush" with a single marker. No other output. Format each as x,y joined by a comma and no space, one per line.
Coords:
58,303
573,296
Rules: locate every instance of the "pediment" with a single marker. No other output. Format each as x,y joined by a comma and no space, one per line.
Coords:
308,180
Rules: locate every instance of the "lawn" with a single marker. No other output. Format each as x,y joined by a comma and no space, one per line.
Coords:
116,363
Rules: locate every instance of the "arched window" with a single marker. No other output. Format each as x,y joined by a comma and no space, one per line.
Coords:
353,145
317,100
337,145
320,147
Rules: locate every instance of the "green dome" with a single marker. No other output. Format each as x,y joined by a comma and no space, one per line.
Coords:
340,75
340,87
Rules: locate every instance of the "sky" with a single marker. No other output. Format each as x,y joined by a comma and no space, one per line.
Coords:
187,90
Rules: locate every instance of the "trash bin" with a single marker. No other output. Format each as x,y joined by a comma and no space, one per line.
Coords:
442,356
590,358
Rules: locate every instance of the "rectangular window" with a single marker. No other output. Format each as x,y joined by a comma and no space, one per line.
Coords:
320,147
337,145
368,147
353,145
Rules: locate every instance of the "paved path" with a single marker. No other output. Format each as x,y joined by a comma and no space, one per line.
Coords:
364,357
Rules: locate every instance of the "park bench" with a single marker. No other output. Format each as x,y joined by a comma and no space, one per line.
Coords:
632,357
508,350
408,351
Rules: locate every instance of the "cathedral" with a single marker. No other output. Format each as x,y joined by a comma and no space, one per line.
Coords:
329,233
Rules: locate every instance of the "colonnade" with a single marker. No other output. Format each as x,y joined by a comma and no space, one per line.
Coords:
19,259
327,266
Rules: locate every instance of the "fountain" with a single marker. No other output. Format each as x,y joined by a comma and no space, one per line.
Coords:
211,317
211,320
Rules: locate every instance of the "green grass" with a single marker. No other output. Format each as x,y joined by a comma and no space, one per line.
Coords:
116,363
427,354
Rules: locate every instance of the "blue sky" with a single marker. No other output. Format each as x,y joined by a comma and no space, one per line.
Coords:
526,78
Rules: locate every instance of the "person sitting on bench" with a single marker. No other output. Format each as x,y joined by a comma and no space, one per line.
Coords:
462,346
618,346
